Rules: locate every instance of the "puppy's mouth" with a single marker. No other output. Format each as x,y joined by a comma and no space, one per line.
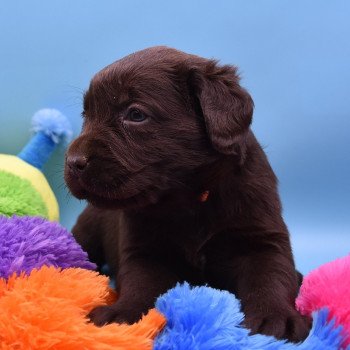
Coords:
105,196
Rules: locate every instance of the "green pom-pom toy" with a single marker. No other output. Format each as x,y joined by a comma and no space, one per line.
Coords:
17,195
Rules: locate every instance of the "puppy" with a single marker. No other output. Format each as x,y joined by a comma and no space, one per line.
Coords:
179,189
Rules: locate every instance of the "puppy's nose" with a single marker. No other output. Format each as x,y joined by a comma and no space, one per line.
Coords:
77,163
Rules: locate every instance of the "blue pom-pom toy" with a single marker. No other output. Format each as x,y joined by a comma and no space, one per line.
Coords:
203,318
51,127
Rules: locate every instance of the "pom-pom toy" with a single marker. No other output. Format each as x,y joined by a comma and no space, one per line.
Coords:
47,289
205,318
329,286
31,242
24,189
47,309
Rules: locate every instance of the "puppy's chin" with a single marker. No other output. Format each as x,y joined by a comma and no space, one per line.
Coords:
75,188
135,202
106,200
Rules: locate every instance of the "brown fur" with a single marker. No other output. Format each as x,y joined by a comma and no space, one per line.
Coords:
143,181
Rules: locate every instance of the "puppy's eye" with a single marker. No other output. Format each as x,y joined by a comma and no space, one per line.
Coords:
136,116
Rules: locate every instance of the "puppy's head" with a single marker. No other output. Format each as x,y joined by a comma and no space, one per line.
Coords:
152,121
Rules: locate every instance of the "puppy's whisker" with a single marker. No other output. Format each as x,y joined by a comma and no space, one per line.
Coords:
68,197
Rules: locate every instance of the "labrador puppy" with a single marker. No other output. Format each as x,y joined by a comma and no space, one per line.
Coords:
179,190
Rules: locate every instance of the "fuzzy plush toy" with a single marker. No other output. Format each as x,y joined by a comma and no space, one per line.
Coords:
205,318
32,242
48,286
24,189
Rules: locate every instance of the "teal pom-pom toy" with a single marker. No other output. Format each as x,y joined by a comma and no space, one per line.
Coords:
24,189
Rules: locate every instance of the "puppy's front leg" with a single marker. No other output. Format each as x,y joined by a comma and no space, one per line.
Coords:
260,270
140,281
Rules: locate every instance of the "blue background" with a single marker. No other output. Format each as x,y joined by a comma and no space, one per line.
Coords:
294,57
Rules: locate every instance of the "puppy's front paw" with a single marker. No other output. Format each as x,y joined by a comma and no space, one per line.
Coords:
282,324
102,315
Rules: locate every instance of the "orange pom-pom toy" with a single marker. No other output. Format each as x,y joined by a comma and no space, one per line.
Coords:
47,310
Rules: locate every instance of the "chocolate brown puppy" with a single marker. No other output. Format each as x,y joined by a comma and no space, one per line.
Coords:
179,189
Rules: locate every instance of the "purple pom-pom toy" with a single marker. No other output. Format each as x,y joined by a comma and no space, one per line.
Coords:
31,242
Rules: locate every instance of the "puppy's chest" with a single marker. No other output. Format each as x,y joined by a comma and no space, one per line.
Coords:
186,238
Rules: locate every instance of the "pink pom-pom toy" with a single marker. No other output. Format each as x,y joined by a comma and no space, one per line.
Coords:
328,287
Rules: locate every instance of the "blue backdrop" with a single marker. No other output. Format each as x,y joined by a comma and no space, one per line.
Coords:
294,57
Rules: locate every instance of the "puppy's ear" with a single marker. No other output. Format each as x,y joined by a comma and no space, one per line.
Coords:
227,108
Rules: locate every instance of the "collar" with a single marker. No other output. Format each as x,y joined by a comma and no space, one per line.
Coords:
203,197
